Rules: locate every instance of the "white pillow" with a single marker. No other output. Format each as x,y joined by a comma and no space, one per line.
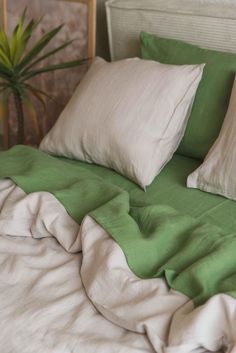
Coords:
217,174
128,115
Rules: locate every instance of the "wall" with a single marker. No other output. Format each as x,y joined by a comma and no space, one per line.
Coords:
102,38
37,8
59,84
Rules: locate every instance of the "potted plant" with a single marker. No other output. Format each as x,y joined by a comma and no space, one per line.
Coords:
18,65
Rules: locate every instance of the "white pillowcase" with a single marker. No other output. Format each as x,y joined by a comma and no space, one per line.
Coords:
217,174
129,115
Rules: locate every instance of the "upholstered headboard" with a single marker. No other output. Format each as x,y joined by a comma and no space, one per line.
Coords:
208,23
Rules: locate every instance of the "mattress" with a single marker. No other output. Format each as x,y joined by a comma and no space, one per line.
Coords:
169,188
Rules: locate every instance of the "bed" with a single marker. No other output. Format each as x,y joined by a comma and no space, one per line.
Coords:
72,278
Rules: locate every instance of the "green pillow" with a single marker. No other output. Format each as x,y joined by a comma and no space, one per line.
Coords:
212,98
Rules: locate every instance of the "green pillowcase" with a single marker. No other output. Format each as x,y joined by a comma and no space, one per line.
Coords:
213,94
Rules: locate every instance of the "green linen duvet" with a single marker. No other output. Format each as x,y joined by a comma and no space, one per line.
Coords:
196,258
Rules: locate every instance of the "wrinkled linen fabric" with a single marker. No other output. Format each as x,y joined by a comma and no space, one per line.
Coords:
217,173
43,304
53,298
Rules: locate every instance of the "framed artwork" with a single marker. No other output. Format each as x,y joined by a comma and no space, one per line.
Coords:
79,19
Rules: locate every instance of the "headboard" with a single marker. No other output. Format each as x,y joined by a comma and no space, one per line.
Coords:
207,23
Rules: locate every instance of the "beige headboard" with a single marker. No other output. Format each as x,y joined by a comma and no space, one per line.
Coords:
208,23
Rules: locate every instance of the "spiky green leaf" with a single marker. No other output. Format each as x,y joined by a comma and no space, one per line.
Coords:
4,42
5,59
22,17
62,66
38,47
37,90
17,44
20,39
47,55
5,72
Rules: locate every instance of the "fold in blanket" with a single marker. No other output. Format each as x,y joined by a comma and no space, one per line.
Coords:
64,210
43,307
195,259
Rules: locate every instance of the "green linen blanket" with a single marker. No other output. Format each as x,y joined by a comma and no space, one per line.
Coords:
195,258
